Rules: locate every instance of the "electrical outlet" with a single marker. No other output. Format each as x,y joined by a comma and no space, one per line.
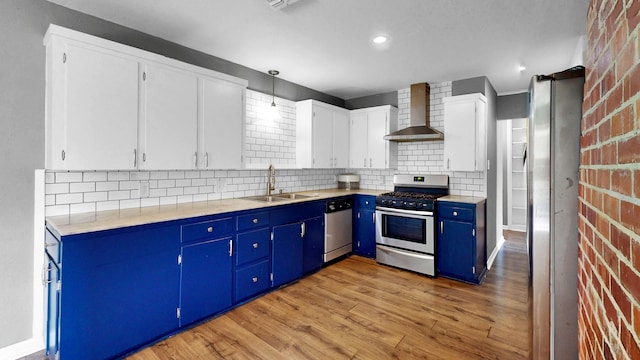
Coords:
144,189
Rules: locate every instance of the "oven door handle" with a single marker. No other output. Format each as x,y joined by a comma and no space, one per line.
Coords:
399,252
391,211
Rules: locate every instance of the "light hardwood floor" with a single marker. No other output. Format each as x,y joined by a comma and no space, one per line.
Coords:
357,309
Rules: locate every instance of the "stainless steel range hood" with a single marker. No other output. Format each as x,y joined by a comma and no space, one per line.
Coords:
419,129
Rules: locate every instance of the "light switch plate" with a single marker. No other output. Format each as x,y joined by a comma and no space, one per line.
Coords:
144,189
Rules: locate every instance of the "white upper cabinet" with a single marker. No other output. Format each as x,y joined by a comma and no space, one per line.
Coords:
221,124
322,135
169,118
465,138
114,107
92,109
368,148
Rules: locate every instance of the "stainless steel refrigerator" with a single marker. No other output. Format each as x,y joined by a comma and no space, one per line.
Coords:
552,161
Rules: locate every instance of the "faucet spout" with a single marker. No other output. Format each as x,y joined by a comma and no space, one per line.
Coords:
271,179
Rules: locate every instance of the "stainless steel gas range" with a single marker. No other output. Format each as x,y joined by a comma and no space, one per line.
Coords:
405,218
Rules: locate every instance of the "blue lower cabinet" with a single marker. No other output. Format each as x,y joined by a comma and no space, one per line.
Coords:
313,244
206,279
287,253
252,280
120,290
461,247
364,228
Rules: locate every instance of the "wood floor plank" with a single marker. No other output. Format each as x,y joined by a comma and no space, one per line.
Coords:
358,309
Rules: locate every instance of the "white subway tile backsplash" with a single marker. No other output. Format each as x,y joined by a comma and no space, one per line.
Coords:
56,188
107,205
82,187
118,195
62,199
96,196
81,208
129,204
154,201
118,175
94,176
139,175
159,175
107,186
168,200
65,177
129,185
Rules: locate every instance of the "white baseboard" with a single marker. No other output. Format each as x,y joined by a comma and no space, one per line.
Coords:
495,252
21,349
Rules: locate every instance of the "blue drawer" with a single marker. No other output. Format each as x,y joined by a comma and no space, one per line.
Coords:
252,246
253,221
455,212
209,229
252,280
366,201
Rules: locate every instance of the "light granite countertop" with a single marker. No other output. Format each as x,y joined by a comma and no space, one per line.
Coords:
463,199
106,220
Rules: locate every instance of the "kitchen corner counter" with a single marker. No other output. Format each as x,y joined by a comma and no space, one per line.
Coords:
113,219
463,199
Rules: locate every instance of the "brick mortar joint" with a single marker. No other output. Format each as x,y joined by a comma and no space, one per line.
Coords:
633,200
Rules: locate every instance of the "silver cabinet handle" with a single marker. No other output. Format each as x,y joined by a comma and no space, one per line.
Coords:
63,155
45,272
255,279
364,164
195,159
303,229
370,162
441,227
230,247
255,245
135,157
255,221
455,213
210,229
206,159
448,162
144,157
373,217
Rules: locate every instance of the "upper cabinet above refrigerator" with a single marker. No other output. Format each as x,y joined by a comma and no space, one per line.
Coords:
465,134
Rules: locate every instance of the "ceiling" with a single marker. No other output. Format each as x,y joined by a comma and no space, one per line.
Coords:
325,44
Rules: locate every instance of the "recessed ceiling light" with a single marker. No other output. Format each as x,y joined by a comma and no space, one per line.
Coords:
380,39
521,68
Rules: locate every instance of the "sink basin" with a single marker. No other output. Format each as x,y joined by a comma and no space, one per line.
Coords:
294,196
265,198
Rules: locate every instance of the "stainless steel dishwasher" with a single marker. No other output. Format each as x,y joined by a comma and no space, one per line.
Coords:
337,233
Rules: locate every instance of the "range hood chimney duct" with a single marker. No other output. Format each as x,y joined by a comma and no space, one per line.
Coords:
419,129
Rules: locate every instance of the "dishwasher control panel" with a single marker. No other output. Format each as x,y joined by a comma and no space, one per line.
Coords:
338,205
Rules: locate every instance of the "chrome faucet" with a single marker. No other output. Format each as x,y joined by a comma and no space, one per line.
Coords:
271,179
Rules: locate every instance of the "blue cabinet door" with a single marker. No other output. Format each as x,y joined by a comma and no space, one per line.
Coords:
206,286
53,306
366,236
313,244
120,290
456,250
287,253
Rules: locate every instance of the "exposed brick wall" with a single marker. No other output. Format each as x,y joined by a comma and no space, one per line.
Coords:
609,222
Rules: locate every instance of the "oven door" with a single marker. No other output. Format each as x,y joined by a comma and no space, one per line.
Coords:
405,229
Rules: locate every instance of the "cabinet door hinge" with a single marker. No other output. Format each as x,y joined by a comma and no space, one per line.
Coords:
178,313
473,232
179,259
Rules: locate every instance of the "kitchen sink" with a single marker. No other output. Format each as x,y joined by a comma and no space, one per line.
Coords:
294,196
265,198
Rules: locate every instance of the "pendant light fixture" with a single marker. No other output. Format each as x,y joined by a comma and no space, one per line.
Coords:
272,111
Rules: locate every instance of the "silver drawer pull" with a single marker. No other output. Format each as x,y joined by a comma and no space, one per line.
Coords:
255,279
255,221
210,229
255,245
455,213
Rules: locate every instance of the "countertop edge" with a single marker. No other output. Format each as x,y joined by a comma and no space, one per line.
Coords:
463,199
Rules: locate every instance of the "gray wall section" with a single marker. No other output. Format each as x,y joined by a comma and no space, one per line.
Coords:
390,98
512,106
22,107
494,195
